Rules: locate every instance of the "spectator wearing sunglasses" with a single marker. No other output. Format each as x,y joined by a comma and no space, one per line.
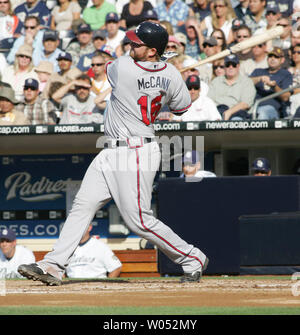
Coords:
229,94
274,79
202,109
272,15
33,36
76,102
261,167
100,84
259,60
22,69
35,108
218,68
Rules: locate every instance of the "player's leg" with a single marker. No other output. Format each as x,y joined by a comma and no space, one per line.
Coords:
132,192
92,195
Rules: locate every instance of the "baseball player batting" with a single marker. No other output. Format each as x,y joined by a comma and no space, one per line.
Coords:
141,85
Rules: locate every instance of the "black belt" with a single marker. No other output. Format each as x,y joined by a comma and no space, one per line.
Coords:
124,143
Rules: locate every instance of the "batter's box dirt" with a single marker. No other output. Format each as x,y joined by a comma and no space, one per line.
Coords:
148,292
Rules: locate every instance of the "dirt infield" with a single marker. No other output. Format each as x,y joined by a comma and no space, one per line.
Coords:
153,292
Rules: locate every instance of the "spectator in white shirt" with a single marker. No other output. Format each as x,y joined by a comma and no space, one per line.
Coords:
203,108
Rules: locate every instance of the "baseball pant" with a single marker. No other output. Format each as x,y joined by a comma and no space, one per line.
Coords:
126,175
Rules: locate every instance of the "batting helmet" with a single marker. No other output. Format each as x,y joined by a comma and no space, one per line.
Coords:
151,34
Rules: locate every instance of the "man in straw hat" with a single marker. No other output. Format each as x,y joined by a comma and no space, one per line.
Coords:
8,114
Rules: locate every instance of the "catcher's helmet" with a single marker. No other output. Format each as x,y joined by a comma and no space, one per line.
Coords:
151,34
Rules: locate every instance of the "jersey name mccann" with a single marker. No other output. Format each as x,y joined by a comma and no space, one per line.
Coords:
153,82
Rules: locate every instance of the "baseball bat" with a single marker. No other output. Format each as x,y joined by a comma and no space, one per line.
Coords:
249,43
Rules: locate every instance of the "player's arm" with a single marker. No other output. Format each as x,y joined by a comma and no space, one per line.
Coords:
115,273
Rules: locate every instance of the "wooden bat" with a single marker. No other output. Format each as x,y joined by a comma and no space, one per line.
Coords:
249,43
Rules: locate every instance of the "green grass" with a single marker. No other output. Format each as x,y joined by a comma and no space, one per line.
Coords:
159,310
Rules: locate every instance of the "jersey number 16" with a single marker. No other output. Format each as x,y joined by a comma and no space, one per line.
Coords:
155,106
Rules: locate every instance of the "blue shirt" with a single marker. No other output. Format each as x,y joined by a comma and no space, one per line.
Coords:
37,45
39,55
40,10
283,78
192,50
178,11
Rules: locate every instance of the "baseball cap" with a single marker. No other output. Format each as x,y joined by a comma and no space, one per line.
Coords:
261,164
33,83
99,34
210,41
237,23
9,94
193,81
8,234
277,52
50,35
150,14
191,157
272,7
65,55
111,17
232,59
84,28
106,49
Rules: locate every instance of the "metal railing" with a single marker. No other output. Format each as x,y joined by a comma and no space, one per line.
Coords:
253,110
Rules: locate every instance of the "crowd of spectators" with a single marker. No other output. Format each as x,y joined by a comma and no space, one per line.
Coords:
53,54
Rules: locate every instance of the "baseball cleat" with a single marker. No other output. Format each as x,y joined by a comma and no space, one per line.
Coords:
34,272
194,276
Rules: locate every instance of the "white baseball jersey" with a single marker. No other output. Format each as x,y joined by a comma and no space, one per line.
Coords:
8,267
92,259
132,111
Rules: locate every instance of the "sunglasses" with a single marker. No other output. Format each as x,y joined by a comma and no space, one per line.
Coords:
231,64
296,52
271,13
218,37
24,56
243,36
272,55
218,66
30,27
26,88
97,64
3,2
205,45
193,88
